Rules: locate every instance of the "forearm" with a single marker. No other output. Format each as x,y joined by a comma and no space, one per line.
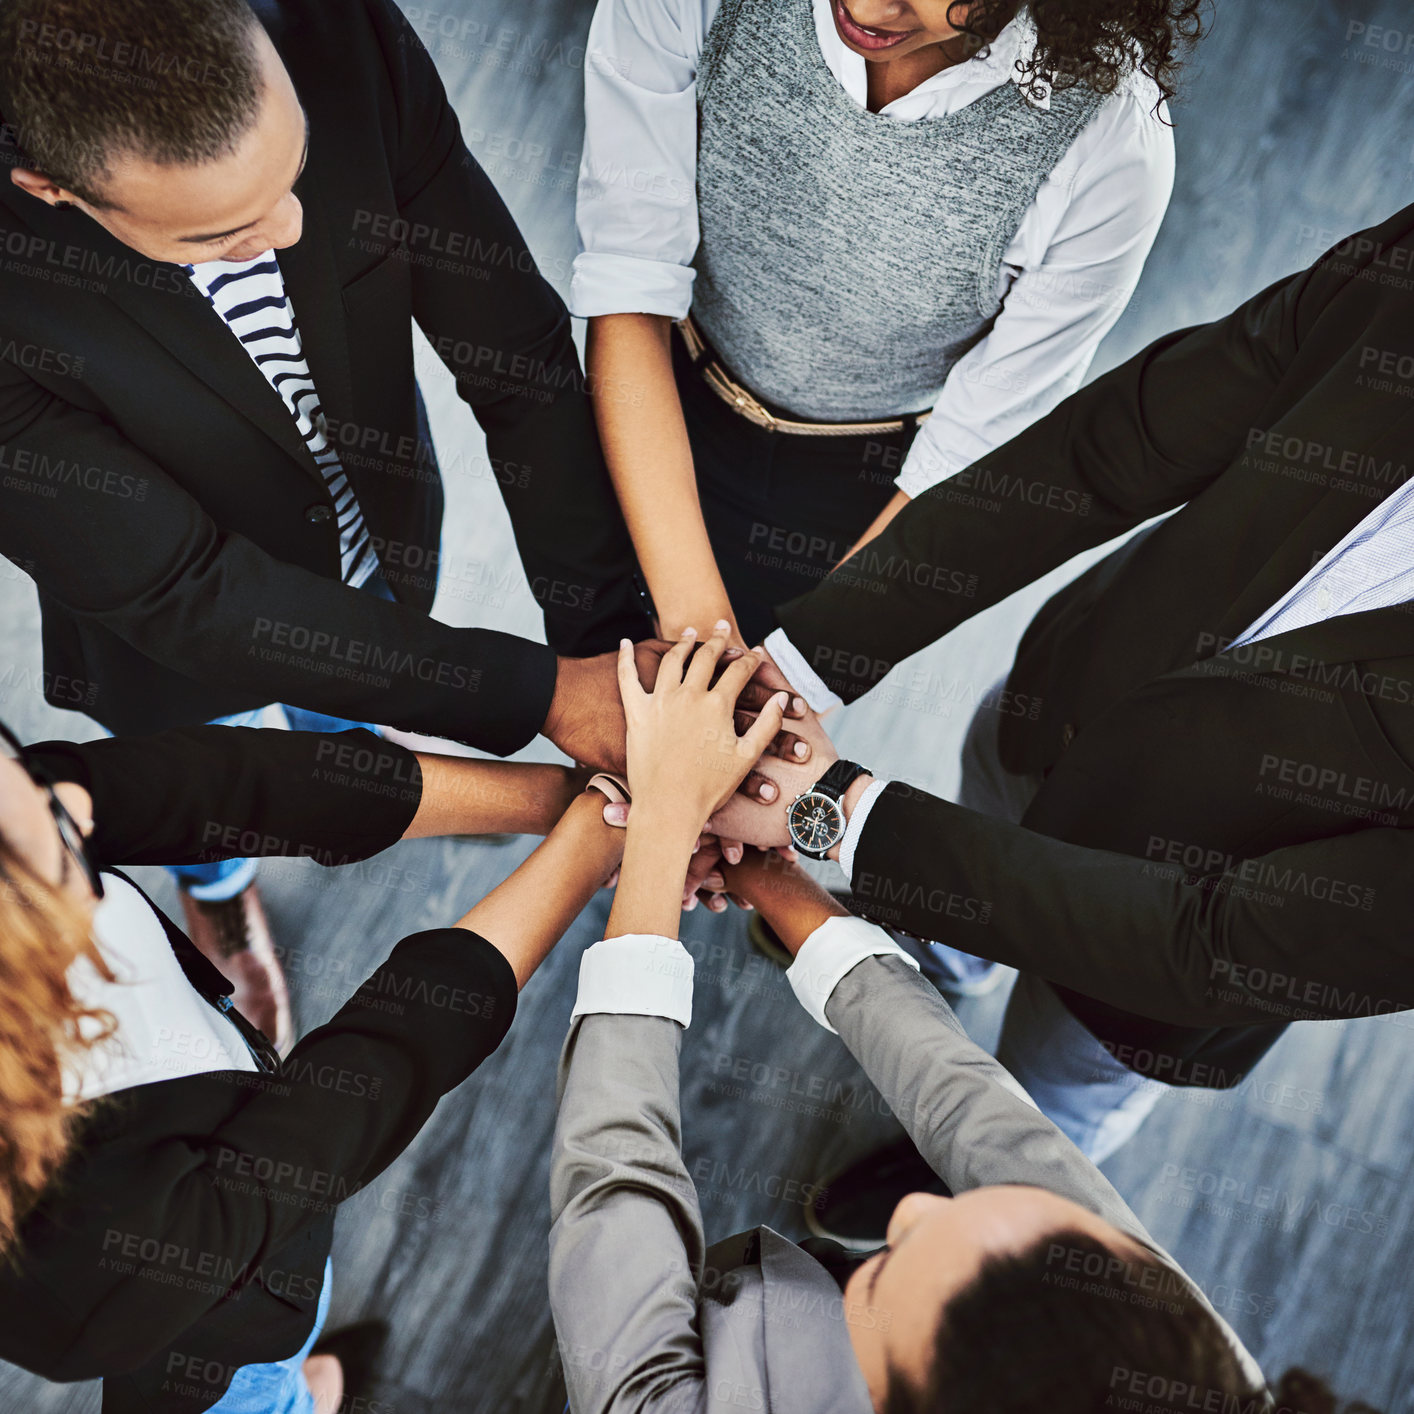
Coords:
784,895
895,504
198,794
1262,942
626,1240
655,860
524,917
464,797
1132,445
969,1118
650,462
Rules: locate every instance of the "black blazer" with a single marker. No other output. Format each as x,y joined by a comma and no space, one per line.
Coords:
187,1234
1222,843
160,495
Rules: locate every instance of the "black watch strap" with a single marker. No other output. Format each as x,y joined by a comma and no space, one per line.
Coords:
839,778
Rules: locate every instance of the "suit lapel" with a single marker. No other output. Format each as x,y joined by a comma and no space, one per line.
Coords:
810,1364
1319,520
1318,650
312,282
154,295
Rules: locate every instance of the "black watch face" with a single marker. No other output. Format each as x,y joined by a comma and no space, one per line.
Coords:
816,823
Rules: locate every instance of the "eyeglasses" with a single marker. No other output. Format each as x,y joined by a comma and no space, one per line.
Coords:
70,835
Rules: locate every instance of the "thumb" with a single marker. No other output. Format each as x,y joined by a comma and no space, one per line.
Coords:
630,689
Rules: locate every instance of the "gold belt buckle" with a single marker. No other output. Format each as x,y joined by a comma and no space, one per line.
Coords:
750,409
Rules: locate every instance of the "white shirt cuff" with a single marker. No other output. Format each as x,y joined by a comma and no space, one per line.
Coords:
834,949
855,827
927,464
799,673
638,974
629,284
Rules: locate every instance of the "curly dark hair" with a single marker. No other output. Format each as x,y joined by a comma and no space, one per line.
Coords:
1093,42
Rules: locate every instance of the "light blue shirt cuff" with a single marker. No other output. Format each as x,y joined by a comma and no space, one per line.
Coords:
637,974
855,828
832,951
801,676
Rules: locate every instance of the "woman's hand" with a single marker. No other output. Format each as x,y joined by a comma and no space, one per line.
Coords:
685,758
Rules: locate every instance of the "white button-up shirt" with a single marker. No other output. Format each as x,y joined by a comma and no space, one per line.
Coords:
1066,277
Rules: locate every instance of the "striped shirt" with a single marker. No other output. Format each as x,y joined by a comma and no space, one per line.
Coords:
1372,568
250,297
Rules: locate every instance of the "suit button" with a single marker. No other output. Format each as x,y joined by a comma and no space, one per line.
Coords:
317,514
1067,735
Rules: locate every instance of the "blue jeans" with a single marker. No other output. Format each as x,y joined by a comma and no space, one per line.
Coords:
225,878
279,1388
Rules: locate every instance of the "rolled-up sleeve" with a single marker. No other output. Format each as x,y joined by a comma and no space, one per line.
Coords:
636,210
1079,253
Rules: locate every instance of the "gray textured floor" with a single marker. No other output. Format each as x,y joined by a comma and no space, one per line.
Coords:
1290,1200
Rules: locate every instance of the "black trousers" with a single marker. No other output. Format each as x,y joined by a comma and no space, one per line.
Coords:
781,510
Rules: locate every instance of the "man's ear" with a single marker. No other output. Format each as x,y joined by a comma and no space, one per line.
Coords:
37,184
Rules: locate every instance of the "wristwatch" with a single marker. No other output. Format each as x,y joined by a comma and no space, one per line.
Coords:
816,817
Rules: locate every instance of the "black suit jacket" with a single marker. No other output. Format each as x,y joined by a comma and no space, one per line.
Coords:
159,493
187,1234
1222,843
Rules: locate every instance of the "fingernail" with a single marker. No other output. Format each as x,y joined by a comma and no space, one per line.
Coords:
722,626
801,749
697,845
616,814
714,881
734,854
760,648
731,653
768,792
689,633
624,643
690,904
798,703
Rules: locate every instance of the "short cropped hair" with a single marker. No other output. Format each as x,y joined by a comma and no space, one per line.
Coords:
1069,1326
84,81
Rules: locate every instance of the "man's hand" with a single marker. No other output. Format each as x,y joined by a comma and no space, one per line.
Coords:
586,717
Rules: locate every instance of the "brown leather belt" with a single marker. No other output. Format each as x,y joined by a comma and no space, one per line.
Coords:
742,401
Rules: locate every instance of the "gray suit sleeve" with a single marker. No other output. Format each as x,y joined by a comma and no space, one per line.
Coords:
626,1242
968,1116
970,1120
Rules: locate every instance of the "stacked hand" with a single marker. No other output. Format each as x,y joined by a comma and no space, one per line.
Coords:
684,755
586,719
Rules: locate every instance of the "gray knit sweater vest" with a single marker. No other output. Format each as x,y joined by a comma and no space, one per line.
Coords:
848,260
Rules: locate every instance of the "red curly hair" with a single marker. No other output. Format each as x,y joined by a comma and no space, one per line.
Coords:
42,935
